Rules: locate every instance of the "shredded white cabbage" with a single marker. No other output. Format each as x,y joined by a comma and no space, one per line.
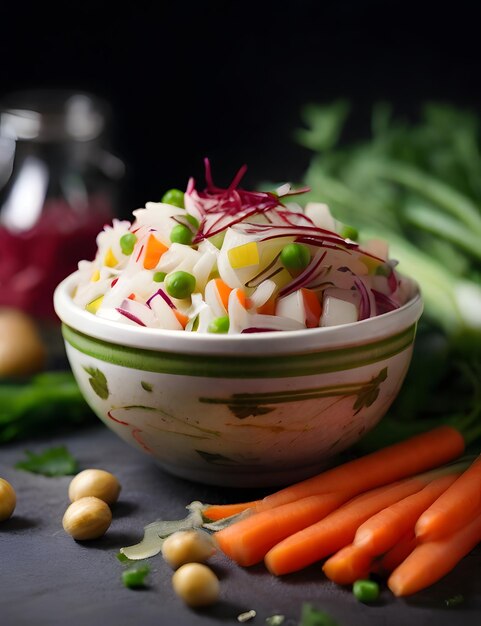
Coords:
243,262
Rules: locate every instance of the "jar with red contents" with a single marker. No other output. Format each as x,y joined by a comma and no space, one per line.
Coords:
58,187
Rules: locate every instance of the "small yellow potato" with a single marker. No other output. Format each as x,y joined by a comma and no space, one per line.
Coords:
188,546
94,482
8,500
22,352
196,584
87,518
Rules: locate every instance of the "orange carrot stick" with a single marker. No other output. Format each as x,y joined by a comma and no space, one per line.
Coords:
337,529
430,561
383,530
216,512
454,508
348,564
384,466
388,562
247,541
382,533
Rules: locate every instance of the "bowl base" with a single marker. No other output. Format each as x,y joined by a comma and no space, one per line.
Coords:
247,480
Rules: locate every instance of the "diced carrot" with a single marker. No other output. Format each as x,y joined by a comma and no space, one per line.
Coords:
269,307
241,297
131,296
432,560
312,308
223,290
181,318
454,508
153,251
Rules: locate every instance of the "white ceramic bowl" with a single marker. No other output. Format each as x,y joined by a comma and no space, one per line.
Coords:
239,410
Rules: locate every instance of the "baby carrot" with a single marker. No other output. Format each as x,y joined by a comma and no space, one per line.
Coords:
432,560
409,457
384,466
337,529
456,506
216,512
247,541
382,531
388,562
348,564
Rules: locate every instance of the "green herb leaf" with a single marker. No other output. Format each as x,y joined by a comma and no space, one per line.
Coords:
30,407
52,462
134,577
310,616
454,601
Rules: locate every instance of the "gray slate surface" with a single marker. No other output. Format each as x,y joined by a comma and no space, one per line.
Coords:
47,579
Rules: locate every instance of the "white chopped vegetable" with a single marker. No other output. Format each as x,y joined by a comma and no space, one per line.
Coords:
336,311
276,260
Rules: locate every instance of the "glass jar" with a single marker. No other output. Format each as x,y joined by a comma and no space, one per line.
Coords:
58,187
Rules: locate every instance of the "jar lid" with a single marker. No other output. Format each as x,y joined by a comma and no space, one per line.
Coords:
52,115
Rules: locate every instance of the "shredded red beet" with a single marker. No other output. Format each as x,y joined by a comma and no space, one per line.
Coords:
221,208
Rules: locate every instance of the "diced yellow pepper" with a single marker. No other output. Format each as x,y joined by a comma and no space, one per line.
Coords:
95,276
244,256
110,259
93,307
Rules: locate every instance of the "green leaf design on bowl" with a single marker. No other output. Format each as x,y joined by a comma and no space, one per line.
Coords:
98,382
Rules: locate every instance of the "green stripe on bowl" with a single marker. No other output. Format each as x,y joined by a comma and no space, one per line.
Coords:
240,366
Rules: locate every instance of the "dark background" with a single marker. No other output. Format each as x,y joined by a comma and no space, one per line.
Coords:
228,79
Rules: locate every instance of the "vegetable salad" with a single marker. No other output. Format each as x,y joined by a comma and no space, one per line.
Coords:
236,261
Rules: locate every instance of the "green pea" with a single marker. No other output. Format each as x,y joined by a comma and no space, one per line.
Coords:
180,284
159,277
127,243
175,197
349,232
219,325
295,257
365,590
181,234
134,577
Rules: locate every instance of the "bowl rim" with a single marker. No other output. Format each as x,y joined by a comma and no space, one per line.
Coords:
262,344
